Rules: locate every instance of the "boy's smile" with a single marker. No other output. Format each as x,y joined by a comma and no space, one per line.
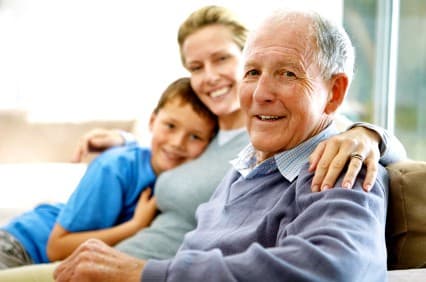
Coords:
179,134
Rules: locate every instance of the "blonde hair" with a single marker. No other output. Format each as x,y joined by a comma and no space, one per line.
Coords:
212,15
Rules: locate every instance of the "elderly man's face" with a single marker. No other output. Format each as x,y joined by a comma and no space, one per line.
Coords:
282,92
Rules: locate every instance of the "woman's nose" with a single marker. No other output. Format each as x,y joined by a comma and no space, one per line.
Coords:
211,74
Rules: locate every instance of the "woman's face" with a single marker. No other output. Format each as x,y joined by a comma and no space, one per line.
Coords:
213,59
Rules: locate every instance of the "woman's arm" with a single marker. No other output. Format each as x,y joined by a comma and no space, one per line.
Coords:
372,143
98,140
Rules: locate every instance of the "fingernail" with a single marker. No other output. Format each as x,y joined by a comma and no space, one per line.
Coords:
367,187
325,187
347,185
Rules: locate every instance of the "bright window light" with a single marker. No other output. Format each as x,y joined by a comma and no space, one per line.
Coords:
100,59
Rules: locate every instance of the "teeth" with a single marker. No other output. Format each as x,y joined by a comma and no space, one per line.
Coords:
219,92
269,117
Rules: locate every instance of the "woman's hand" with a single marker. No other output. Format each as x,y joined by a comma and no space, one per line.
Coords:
97,140
359,146
96,261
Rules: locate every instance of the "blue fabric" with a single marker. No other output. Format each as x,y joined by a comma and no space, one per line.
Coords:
106,196
32,229
264,227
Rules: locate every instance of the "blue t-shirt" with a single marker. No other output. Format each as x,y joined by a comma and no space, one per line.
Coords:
106,196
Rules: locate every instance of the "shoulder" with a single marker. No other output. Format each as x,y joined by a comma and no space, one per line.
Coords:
378,193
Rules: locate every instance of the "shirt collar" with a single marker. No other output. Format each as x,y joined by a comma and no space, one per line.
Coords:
288,162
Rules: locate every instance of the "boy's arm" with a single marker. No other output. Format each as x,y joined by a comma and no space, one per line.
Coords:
62,243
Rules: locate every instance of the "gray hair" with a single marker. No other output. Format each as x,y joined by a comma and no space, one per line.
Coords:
335,52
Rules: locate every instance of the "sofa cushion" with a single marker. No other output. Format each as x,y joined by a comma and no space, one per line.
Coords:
406,222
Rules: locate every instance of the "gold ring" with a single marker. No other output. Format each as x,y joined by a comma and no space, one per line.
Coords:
358,156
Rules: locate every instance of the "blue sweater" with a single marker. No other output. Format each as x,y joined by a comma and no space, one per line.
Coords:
269,226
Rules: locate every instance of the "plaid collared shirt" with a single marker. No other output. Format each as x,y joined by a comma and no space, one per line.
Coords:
287,162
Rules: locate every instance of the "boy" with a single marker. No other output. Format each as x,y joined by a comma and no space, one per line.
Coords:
111,202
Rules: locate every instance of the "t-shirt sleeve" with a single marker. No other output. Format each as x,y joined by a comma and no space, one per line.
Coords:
97,201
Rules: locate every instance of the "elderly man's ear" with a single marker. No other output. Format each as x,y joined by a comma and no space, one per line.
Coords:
338,86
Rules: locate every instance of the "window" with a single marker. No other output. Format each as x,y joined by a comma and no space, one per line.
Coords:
410,114
389,88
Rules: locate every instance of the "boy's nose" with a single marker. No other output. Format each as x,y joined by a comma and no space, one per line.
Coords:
178,140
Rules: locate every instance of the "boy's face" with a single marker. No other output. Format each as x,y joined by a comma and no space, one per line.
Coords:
179,134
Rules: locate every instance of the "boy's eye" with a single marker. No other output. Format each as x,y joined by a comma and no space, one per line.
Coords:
195,137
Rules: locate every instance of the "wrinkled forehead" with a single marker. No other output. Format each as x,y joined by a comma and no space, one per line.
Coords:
283,29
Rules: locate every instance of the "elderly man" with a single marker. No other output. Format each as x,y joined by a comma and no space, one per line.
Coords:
263,223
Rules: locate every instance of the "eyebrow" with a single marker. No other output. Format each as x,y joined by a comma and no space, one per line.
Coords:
220,52
291,64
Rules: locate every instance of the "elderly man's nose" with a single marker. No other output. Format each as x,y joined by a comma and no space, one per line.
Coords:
263,91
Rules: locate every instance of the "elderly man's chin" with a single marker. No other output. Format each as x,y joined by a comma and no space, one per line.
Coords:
266,146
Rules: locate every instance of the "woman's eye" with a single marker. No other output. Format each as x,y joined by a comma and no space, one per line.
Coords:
223,58
194,68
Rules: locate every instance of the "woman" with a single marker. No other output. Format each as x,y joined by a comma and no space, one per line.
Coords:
211,42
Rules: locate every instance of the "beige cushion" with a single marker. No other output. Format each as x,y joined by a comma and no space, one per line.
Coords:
406,223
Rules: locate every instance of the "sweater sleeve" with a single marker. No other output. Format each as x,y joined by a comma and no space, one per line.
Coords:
391,149
338,235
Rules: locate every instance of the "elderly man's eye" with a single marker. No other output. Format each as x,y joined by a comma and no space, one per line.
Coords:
252,73
289,74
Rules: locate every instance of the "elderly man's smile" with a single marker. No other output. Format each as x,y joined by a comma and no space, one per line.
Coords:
268,118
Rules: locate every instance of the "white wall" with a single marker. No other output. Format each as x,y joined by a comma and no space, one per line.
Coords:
91,59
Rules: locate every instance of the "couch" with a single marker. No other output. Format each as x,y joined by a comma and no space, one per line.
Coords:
406,222
406,226
25,140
